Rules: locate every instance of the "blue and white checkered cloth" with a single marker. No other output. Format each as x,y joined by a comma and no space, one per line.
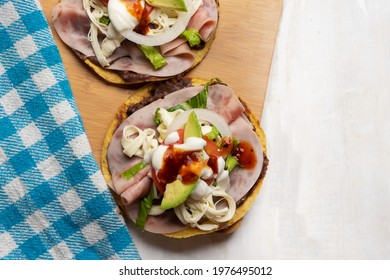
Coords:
54,203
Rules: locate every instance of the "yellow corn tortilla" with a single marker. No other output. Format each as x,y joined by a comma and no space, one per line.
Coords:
112,76
242,209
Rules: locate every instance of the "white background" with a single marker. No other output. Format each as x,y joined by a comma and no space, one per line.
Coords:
327,117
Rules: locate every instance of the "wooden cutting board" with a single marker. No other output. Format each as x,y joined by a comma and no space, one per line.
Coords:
240,56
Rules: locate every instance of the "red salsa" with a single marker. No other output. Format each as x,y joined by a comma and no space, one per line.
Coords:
176,162
144,20
245,155
189,164
134,8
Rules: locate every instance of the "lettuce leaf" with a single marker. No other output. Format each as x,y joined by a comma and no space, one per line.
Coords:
213,134
129,173
235,141
183,106
144,209
199,100
230,163
105,20
156,118
193,37
153,55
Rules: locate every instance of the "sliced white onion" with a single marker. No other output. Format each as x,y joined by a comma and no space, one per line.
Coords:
98,12
93,33
164,37
221,215
191,211
202,114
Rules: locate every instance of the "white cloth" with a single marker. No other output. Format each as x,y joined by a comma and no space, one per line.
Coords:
327,119
327,192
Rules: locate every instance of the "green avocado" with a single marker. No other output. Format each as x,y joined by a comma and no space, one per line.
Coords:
178,5
175,194
192,127
155,58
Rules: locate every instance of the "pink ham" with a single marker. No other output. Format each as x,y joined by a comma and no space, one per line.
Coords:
242,180
224,102
120,184
168,47
144,118
178,60
72,25
221,100
205,19
140,189
165,223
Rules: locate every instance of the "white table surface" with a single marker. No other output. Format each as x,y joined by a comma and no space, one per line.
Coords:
327,117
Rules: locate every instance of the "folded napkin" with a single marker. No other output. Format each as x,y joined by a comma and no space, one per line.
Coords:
54,203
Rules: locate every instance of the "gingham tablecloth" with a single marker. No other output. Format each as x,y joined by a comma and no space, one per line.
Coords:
54,203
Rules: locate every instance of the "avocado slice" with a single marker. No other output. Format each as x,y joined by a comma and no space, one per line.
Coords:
155,58
176,193
178,5
192,127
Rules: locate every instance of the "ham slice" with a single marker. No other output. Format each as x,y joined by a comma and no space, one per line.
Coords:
220,98
121,185
168,47
140,189
223,101
165,223
242,180
178,60
204,20
72,25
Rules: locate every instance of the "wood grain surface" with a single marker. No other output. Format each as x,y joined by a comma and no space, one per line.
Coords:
240,56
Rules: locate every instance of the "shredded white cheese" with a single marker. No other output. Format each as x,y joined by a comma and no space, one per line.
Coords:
137,142
196,208
166,119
